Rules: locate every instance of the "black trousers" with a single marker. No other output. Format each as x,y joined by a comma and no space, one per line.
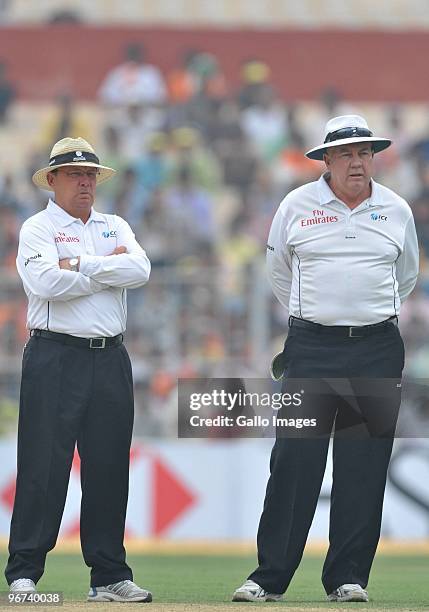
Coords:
71,394
361,452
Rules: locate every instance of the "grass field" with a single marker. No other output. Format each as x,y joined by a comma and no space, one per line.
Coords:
203,583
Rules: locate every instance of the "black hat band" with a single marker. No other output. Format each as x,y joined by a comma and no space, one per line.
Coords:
348,132
73,157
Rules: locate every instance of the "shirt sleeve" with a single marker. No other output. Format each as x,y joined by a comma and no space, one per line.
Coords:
38,266
279,261
128,270
407,264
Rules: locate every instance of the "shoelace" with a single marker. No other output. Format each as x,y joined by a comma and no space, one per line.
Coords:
23,582
251,585
351,587
125,588
255,588
346,589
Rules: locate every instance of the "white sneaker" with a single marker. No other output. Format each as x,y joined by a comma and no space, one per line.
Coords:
250,591
22,585
348,592
125,590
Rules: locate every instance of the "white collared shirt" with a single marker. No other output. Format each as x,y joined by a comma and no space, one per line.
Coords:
335,266
89,303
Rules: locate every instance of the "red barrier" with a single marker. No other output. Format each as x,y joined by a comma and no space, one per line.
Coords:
363,65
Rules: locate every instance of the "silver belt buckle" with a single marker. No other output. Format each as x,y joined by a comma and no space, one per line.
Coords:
93,343
352,335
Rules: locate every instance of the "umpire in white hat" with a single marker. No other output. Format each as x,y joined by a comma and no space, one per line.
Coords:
76,265
342,257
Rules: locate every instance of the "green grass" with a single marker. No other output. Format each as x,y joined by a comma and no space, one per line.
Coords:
397,582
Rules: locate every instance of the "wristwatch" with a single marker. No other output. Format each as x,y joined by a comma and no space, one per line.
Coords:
74,264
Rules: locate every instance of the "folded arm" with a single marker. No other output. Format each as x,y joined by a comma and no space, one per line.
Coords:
38,266
279,265
128,269
407,264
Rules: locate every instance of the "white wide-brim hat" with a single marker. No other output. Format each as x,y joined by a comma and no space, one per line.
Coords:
344,130
72,152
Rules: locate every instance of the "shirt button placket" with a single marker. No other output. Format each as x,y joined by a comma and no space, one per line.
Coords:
89,245
350,226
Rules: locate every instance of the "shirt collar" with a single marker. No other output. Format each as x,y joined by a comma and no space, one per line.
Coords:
63,217
326,195
96,216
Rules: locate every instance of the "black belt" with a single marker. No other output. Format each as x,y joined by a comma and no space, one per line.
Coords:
344,331
91,343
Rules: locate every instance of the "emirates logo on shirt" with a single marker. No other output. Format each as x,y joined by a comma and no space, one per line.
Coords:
62,237
318,218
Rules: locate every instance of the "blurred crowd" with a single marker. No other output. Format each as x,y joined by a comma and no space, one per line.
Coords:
201,171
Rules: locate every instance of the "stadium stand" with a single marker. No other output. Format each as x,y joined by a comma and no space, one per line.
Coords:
200,177
394,14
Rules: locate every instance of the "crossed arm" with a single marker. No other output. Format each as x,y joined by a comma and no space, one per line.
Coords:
51,279
65,263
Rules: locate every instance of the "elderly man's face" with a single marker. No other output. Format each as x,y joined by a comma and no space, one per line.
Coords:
74,188
351,169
